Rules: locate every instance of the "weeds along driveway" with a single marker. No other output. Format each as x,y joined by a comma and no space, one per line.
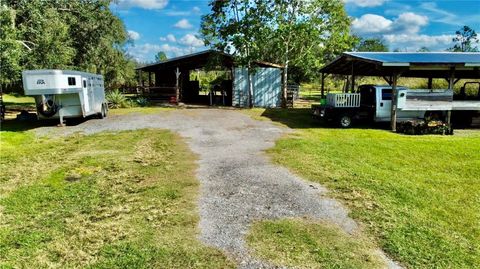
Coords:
238,183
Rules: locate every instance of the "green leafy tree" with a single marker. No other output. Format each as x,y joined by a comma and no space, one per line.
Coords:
10,48
161,56
64,34
466,40
301,35
372,44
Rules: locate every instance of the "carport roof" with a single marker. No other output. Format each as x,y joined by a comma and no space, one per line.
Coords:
415,64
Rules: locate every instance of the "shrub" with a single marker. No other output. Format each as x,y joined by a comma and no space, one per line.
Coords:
116,99
142,101
424,127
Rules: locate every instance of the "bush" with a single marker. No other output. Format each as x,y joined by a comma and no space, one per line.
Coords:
116,99
142,101
424,127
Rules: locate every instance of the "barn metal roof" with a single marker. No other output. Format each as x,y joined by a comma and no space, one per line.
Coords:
414,64
199,60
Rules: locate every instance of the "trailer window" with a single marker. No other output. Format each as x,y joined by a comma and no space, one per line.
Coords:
386,94
84,83
71,81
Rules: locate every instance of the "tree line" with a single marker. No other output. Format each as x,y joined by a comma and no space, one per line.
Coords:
85,35
300,35
63,34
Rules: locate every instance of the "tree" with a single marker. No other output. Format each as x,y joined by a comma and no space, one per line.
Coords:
296,33
10,48
372,44
423,49
466,40
233,26
63,34
161,56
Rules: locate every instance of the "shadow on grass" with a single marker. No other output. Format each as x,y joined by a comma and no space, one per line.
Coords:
13,125
296,118
301,118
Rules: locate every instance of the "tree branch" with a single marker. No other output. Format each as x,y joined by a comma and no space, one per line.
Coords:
24,43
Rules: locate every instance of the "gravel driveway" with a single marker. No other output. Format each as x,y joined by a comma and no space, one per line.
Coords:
238,183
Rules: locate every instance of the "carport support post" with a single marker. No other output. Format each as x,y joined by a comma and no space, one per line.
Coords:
393,118
323,85
451,85
352,86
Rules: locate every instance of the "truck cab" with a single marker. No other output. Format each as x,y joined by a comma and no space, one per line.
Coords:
370,103
380,98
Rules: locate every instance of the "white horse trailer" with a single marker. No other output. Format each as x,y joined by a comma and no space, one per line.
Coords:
61,94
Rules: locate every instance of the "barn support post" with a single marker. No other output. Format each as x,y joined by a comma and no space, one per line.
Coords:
149,79
393,118
430,83
140,75
177,85
352,87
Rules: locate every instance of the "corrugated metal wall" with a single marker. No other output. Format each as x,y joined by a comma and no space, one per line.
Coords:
267,87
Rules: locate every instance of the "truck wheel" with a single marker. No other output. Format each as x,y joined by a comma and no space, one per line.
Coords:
345,121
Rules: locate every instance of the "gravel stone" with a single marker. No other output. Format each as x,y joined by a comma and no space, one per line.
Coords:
239,185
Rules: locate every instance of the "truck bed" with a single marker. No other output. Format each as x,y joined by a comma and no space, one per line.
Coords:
466,105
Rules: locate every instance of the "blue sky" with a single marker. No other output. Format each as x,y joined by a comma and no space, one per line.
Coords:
172,25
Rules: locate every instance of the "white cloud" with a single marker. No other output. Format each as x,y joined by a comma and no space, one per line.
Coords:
146,4
402,32
191,41
143,52
371,24
439,15
196,10
408,22
133,35
365,3
183,24
413,42
169,38
174,13
146,52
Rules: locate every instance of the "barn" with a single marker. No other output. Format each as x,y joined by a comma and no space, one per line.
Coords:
175,80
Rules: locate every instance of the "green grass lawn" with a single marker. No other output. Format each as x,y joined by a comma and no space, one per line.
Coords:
308,244
142,110
418,196
17,99
110,200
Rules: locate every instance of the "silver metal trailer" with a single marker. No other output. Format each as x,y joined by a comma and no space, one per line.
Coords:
61,94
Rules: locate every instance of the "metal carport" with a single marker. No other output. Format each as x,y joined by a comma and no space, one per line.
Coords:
452,66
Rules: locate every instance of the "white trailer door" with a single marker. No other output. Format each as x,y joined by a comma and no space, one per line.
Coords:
86,103
91,95
384,104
